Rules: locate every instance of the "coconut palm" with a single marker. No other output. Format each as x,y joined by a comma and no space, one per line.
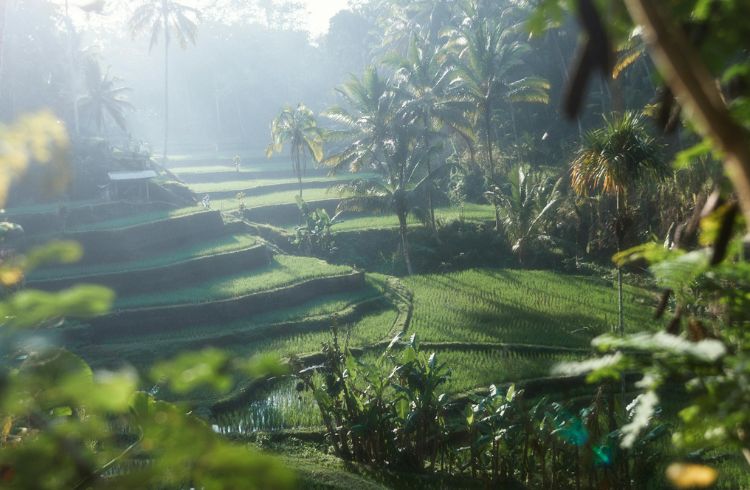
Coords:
422,86
297,128
485,61
361,122
612,160
165,18
401,181
104,98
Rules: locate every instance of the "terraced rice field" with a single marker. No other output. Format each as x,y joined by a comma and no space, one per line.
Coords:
223,244
488,325
283,271
468,212
138,219
254,184
274,198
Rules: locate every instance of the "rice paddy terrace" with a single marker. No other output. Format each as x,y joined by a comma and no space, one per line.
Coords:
189,278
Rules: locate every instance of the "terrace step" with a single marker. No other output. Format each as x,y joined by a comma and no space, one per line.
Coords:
73,215
267,189
241,333
139,321
185,272
286,213
138,241
231,174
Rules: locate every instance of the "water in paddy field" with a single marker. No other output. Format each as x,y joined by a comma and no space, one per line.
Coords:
280,408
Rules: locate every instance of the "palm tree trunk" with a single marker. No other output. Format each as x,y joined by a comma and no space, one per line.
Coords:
402,229
165,14
620,313
430,205
488,140
490,157
618,233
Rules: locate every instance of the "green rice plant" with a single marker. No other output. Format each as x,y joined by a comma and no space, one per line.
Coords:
273,198
223,244
370,329
280,407
241,185
284,270
521,306
138,219
471,369
469,212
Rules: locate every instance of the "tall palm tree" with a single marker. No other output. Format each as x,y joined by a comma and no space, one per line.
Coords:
612,160
104,98
362,122
297,128
376,138
401,180
486,58
423,87
165,18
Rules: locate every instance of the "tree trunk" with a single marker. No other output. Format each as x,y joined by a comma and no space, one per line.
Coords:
165,14
618,236
488,140
490,157
402,229
431,207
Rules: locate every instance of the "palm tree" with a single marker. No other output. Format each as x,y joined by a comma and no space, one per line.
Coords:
166,18
422,85
104,98
362,122
527,207
376,138
298,128
612,160
400,183
486,56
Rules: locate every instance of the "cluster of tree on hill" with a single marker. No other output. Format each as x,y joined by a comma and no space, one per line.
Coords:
460,104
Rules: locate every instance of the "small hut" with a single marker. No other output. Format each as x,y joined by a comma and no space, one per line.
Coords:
130,185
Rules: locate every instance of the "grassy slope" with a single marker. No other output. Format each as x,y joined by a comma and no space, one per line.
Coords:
283,197
481,306
240,185
138,219
520,306
229,243
470,212
283,271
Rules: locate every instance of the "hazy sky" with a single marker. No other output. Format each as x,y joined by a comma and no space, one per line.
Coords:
321,12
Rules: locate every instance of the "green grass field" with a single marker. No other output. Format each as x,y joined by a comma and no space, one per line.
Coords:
273,198
476,307
283,271
469,212
241,185
138,219
224,244
521,306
